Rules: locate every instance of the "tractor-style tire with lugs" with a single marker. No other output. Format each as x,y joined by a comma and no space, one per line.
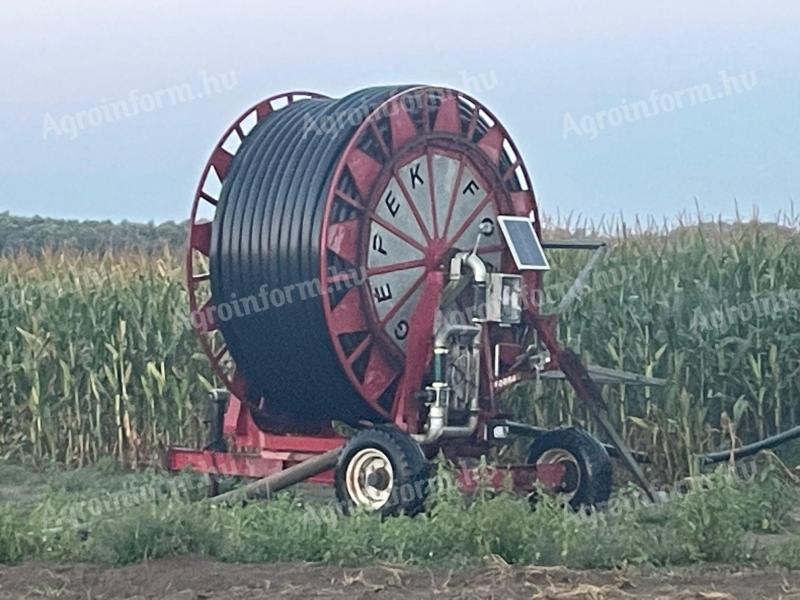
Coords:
588,477
382,470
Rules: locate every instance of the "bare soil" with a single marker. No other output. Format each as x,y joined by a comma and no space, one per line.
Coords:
196,578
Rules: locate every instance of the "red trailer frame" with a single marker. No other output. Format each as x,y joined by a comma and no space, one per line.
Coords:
257,454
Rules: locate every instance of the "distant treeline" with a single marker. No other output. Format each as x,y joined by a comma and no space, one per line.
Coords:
35,234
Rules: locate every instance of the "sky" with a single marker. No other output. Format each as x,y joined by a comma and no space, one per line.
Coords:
623,108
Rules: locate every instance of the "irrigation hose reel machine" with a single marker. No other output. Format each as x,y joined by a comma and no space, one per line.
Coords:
375,260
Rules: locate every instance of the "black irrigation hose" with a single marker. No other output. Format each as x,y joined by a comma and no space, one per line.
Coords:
751,449
266,232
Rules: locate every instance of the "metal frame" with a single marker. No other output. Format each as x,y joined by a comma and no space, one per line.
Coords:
252,453
237,447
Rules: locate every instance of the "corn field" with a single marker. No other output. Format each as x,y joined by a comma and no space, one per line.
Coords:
98,357
713,309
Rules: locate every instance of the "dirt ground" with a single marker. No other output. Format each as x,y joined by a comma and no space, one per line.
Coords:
195,578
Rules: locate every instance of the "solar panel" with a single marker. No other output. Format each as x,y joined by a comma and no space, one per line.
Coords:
524,244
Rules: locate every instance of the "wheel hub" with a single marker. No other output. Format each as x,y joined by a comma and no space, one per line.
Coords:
379,479
572,475
369,479
432,203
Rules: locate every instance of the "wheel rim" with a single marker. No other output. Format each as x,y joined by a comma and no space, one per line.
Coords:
369,479
571,482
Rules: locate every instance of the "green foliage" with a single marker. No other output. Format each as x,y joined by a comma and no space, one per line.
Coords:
786,554
150,532
14,544
97,359
711,526
714,309
37,234
708,523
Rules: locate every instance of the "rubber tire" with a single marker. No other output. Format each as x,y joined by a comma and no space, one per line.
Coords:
594,463
411,469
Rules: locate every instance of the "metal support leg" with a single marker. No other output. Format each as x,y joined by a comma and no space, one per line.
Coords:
590,395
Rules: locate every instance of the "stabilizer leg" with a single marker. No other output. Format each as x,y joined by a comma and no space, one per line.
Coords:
588,392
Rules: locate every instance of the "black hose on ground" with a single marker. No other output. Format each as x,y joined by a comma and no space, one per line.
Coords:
751,449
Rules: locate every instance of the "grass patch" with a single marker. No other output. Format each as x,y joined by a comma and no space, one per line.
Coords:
786,554
710,522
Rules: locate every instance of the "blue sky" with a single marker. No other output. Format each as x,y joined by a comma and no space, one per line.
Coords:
540,66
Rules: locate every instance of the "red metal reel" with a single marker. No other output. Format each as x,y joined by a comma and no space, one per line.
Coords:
410,140
202,310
